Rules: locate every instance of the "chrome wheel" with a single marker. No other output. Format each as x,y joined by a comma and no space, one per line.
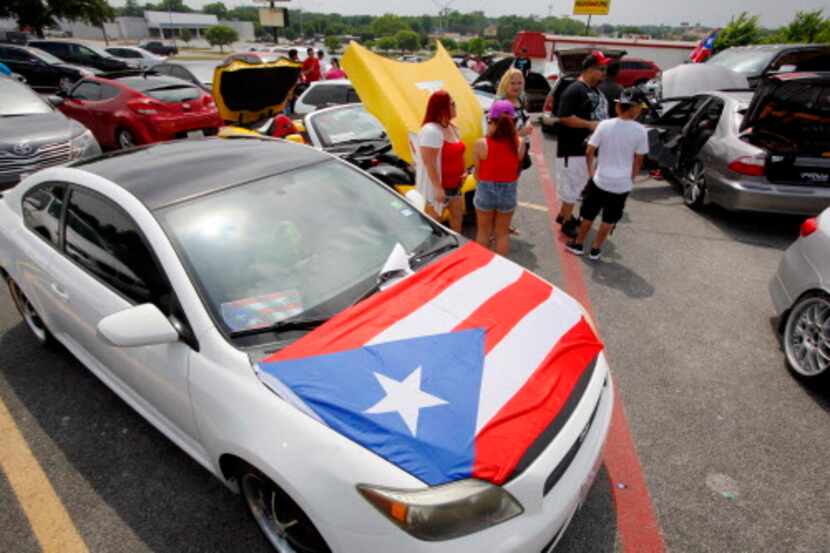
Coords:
283,523
29,313
694,186
125,139
65,83
807,337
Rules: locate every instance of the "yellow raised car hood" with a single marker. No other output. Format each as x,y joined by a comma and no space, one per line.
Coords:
397,94
248,92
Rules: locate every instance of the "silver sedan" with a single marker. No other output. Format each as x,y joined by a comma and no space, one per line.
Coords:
801,294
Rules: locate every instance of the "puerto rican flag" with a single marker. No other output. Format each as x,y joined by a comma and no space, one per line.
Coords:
464,369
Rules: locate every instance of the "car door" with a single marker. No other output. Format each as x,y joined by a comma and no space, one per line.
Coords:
80,104
107,266
665,131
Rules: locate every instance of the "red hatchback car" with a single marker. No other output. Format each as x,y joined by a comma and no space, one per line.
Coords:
141,110
636,71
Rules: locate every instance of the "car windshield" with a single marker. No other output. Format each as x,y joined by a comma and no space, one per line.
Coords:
173,94
202,71
45,56
303,244
746,62
350,124
17,99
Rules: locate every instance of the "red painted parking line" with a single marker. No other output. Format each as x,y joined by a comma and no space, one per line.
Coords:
637,524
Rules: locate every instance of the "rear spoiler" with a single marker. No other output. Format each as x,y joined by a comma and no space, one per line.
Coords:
122,73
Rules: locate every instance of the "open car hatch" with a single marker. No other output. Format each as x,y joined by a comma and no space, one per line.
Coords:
247,92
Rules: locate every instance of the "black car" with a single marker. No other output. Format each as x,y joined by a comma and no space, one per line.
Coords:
159,48
536,85
757,62
42,71
34,135
79,54
199,73
14,37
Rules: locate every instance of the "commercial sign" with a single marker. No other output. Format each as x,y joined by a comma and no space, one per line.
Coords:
273,17
591,7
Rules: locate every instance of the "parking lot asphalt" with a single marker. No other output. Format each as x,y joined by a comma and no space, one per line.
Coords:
733,450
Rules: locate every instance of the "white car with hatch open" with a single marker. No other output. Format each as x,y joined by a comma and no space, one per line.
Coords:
366,379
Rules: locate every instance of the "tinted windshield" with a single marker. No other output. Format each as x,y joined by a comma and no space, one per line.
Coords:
346,125
45,56
16,99
172,94
304,243
746,62
202,71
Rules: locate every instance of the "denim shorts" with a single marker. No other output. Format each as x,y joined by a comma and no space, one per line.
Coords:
496,196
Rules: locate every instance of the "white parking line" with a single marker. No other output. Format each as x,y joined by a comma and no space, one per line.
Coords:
52,526
529,205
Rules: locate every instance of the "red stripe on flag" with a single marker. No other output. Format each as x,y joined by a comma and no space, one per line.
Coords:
355,326
499,314
504,440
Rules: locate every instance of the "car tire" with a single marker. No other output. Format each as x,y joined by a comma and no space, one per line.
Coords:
807,337
125,139
282,522
693,183
30,316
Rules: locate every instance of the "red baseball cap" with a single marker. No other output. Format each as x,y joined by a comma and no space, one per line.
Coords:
594,59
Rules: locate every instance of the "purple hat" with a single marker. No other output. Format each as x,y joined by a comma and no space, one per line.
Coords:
501,107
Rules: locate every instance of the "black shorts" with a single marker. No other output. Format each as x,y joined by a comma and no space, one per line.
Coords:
452,192
595,199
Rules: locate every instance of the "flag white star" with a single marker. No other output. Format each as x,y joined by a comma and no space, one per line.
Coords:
405,398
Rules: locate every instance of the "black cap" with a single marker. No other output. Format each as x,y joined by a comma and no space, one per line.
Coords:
633,95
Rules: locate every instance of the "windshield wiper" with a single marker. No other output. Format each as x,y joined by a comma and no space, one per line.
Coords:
396,266
421,256
282,326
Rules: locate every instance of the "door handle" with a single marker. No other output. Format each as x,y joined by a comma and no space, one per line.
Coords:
60,292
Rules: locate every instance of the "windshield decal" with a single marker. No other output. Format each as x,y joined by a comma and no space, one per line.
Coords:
261,311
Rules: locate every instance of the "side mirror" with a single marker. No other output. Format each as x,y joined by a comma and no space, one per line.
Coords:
142,325
417,199
55,99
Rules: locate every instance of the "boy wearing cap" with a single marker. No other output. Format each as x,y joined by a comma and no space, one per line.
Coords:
580,109
622,143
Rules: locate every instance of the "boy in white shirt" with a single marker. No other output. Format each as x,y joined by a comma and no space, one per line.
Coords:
622,143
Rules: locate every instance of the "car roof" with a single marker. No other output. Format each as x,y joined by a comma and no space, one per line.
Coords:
166,173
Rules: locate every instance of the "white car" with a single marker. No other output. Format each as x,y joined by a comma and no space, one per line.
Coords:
135,56
364,377
323,94
800,292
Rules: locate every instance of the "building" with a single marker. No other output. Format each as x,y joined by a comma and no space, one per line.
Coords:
171,24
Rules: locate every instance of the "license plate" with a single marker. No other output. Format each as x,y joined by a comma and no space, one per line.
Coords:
196,134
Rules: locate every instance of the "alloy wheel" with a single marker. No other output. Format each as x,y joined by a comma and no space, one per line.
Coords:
807,337
125,139
29,313
283,523
694,186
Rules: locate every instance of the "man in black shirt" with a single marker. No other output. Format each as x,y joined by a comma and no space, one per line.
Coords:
610,87
523,63
580,109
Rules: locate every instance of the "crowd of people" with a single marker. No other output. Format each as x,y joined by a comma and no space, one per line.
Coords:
600,149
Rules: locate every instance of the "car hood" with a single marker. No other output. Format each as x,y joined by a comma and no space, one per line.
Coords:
693,78
41,128
465,369
247,92
570,61
794,95
400,108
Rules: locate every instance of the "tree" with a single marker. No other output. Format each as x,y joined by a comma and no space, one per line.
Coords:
185,36
38,14
408,41
476,46
739,31
332,43
216,8
221,35
386,43
450,44
132,9
172,6
388,24
805,27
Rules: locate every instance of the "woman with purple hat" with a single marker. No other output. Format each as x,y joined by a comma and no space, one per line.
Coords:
497,164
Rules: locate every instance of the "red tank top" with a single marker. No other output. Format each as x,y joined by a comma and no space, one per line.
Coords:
452,164
502,163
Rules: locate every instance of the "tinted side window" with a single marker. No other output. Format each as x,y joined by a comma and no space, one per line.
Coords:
108,92
162,69
87,90
13,54
322,95
351,96
104,240
180,73
42,209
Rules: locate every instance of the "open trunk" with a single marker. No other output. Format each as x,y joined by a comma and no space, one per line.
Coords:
789,118
248,92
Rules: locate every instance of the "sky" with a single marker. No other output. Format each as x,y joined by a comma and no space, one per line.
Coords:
773,13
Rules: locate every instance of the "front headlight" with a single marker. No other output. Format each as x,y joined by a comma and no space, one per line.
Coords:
444,512
84,145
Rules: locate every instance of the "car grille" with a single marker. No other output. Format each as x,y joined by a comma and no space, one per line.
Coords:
566,461
47,155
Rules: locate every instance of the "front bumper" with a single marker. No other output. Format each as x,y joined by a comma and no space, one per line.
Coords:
575,455
795,275
739,195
